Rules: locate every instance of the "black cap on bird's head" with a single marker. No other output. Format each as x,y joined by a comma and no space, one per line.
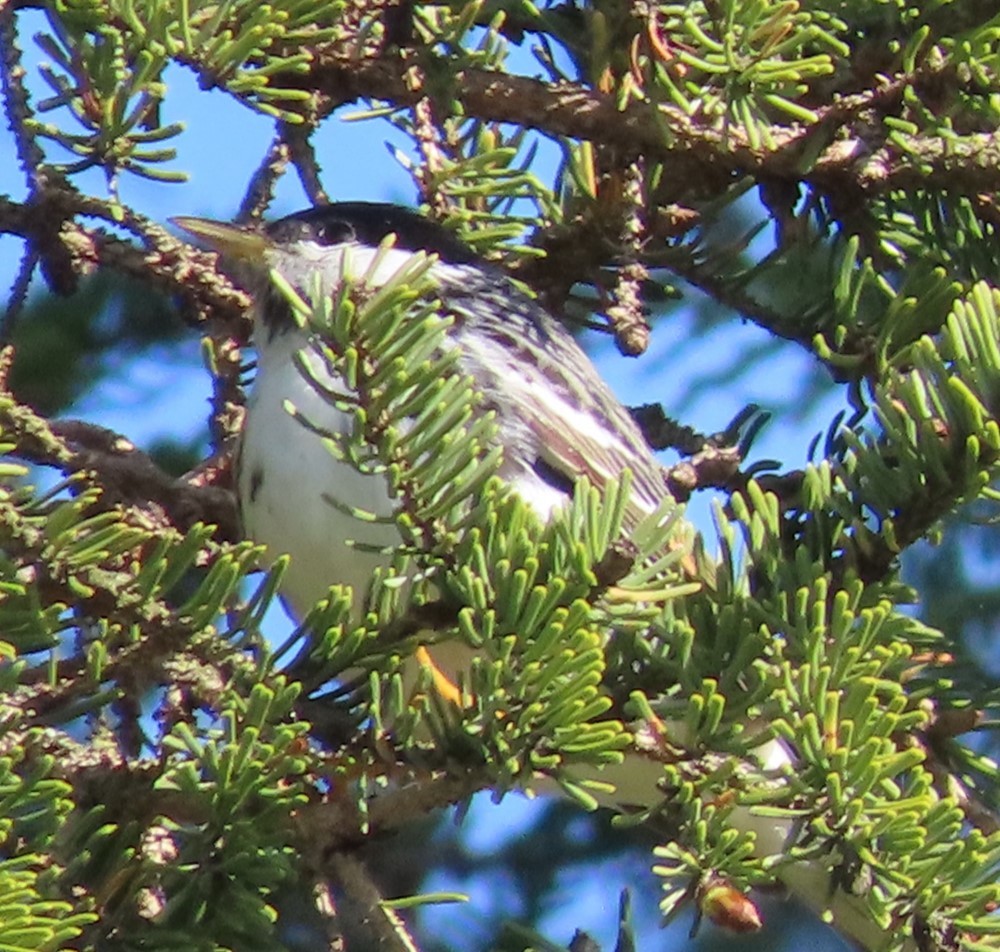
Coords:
368,223
364,223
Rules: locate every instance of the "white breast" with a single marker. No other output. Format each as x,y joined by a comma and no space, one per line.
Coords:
287,477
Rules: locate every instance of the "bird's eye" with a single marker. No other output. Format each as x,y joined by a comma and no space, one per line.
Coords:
333,233
288,231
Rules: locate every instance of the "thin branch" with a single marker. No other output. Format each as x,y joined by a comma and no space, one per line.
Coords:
165,262
16,102
631,327
386,928
430,141
948,778
303,157
327,909
18,293
725,291
260,190
337,824
126,475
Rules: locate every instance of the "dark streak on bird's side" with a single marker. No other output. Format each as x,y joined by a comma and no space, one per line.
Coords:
256,481
555,477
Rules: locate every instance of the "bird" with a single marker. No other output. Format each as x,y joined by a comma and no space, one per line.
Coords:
557,420
557,423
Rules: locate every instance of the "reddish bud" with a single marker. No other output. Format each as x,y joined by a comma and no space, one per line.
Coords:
726,906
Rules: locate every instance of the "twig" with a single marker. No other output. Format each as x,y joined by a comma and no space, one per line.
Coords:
713,461
18,293
730,296
303,157
165,263
16,102
427,132
260,189
327,909
945,727
631,328
127,476
337,824
387,929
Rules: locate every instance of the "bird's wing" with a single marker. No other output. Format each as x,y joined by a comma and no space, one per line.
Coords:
553,407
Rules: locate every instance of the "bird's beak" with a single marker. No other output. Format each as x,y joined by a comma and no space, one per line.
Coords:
236,242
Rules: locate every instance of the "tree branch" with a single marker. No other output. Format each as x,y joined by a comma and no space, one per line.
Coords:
164,262
852,152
